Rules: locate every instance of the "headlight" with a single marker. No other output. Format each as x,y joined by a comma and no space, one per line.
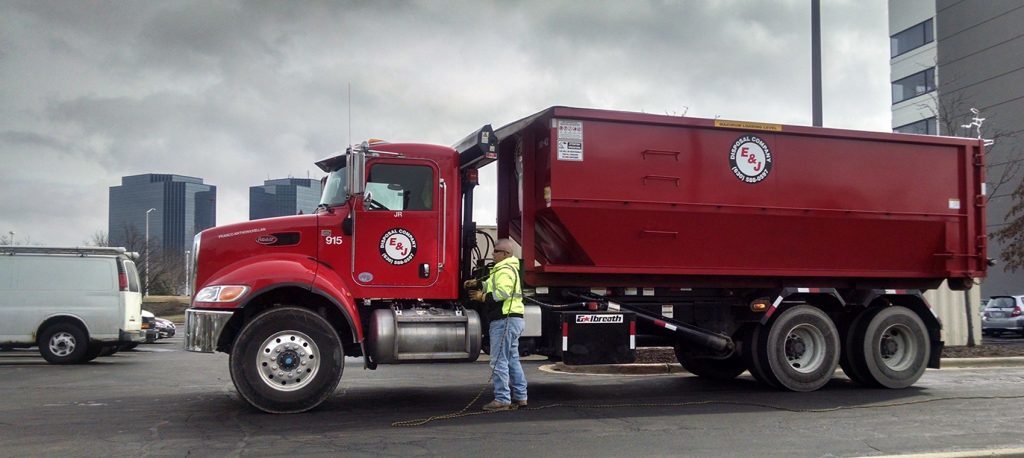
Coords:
227,293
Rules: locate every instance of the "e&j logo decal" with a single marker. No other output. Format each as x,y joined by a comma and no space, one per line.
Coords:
750,158
397,246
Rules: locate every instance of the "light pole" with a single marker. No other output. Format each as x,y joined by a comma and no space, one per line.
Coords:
187,267
146,290
12,237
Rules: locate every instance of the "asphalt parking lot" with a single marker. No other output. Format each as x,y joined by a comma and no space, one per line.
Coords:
162,401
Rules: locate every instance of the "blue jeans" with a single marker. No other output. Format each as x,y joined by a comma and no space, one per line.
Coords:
508,373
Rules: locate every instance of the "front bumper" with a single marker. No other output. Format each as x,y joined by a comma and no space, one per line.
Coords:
203,328
131,336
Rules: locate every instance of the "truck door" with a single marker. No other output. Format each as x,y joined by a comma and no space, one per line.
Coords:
397,229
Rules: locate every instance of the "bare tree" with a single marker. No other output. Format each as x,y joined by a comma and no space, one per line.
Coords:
99,238
166,274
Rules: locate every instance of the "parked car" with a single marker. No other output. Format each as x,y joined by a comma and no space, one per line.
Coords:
149,326
1003,314
156,328
165,328
73,303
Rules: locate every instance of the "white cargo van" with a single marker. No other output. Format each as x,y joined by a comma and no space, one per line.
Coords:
71,302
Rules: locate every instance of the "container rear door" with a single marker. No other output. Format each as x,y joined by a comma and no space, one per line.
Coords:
132,298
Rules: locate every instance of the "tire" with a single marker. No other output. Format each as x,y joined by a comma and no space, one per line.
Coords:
95,351
895,348
300,339
800,351
853,343
755,366
63,343
709,368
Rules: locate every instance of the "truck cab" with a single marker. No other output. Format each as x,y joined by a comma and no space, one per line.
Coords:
395,234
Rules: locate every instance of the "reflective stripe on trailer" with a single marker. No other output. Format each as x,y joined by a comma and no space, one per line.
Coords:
670,327
565,336
632,335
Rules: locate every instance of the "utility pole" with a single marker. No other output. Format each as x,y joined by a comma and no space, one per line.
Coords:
816,61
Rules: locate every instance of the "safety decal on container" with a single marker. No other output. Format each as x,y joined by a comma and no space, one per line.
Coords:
570,140
751,159
397,246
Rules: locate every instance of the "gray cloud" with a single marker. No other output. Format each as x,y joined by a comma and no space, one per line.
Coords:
236,92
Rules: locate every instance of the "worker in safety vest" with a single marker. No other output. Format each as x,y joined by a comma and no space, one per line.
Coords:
502,296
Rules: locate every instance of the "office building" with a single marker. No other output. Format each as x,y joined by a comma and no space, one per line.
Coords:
947,57
283,197
183,206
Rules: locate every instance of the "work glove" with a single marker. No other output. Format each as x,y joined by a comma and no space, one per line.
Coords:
471,284
476,295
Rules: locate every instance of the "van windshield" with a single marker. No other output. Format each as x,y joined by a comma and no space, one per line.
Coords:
336,188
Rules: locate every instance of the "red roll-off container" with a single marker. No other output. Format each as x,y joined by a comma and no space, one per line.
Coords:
614,198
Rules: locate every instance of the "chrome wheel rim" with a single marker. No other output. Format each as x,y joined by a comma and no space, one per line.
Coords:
896,347
805,348
62,344
288,361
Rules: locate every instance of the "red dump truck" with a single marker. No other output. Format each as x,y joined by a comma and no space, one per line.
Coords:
781,250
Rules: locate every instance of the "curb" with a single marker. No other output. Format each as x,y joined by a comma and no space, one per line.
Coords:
673,368
1009,361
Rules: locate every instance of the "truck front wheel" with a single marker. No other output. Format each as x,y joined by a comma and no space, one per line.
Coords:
286,360
801,349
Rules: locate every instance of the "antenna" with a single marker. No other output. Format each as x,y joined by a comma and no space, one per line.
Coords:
350,116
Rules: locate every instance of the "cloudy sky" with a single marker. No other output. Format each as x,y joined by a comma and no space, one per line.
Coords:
239,92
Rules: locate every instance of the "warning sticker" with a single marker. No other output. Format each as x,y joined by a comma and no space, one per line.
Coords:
570,140
747,125
397,246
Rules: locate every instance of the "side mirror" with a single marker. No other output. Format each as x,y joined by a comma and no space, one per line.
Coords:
356,166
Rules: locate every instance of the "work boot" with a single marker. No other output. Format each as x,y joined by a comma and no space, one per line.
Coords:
521,403
495,405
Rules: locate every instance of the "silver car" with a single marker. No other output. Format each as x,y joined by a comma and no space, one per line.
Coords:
1003,314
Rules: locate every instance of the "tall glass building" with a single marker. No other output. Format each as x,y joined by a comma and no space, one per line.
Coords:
283,197
183,207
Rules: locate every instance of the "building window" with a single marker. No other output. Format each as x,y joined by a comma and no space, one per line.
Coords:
912,38
923,127
913,85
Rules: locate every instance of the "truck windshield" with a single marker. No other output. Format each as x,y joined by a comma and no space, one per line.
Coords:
336,188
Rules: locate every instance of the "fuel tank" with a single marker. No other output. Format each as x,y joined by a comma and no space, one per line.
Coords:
424,334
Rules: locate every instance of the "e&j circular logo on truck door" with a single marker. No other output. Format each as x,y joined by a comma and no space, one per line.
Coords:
397,246
750,158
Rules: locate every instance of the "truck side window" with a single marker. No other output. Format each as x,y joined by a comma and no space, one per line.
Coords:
401,187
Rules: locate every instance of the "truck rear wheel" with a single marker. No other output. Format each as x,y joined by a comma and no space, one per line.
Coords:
710,368
754,363
893,348
853,344
800,349
286,360
63,343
